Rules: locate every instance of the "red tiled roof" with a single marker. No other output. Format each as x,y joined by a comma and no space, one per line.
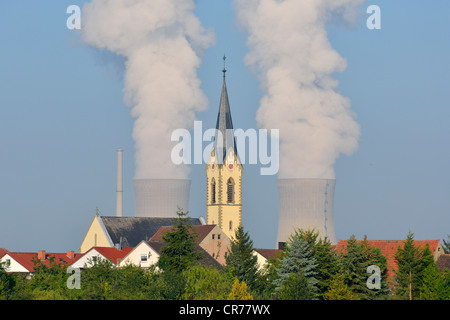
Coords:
3,251
26,258
388,249
112,253
201,230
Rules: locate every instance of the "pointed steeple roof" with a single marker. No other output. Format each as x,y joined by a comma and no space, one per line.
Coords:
224,139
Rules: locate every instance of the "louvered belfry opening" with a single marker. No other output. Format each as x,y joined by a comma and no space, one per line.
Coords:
230,190
213,191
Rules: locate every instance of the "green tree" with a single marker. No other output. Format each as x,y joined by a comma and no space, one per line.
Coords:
178,254
446,244
268,275
354,263
7,283
434,285
168,285
375,257
338,290
239,291
299,257
296,287
240,260
325,256
97,280
48,281
130,283
206,283
411,263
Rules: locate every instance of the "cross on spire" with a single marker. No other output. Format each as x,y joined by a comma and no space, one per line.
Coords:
224,68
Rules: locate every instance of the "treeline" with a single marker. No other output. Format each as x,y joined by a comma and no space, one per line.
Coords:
308,268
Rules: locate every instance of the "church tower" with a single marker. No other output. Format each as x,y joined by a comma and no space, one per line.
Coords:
224,173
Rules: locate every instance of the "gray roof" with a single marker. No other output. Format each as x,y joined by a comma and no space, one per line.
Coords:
130,231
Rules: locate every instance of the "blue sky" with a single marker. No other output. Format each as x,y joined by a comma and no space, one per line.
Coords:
62,118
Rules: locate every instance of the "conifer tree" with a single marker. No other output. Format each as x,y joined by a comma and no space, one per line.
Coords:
446,244
354,267
296,287
239,291
374,257
299,258
326,258
179,251
338,290
411,262
434,285
240,260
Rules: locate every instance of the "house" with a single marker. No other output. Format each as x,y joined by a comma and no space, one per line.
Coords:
263,255
144,255
107,231
389,247
23,262
3,251
443,262
210,238
147,253
98,253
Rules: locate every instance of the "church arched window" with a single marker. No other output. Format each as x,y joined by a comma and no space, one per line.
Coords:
213,191
230,190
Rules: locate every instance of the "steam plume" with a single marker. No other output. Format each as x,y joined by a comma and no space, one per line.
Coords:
161,41
289,49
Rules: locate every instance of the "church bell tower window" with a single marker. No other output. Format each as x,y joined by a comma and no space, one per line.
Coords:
230,191
213,191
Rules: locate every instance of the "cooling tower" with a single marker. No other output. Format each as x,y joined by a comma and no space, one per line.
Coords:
160,197
305,204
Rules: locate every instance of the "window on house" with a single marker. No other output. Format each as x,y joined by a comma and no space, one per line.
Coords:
230,225
218,236
213,191
213,235
143,257
230,191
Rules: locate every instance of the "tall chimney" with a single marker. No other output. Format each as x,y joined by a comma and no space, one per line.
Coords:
160,197
119,183
305,204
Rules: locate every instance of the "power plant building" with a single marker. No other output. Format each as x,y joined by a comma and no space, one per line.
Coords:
160,197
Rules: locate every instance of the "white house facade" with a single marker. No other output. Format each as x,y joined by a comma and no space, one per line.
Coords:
143,255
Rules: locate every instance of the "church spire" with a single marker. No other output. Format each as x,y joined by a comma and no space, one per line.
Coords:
224,172
224,139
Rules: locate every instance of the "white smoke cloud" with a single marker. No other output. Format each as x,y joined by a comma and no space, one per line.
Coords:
161,41
290,51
